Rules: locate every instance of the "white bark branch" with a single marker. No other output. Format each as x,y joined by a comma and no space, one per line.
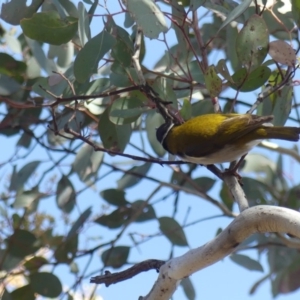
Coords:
272,146
236,191
263,218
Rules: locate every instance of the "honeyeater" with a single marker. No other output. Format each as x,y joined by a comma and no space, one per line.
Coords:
217,138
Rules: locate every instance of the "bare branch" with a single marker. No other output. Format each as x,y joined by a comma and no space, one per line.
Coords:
236,191
273,146
110,278
258,219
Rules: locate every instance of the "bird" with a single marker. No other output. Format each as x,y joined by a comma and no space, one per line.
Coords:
218,138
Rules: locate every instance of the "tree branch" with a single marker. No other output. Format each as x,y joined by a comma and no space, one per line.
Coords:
258,219
236,191
110,278
273,146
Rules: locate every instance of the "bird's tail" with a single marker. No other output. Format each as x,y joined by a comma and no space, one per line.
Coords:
283,133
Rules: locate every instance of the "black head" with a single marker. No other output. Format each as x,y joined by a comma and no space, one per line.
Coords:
162,132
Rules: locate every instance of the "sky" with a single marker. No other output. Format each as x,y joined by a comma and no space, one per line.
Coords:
223,280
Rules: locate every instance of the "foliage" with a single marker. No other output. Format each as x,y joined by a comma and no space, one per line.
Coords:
72,111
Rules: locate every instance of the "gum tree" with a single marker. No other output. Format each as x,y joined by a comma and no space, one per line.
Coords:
83,87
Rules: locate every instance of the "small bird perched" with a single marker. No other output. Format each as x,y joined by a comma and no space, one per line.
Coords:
217,138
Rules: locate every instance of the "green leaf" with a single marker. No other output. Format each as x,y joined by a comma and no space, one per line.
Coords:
231,36
12,68
69,7
279,258
48,27
87,163
14,11
33,264
114,197
66,249
279,103
40,57
8,85
282,105
24,292
246,262
286,280
256,191
293,200
115,257
153,121
22,243
188,288
118,80
202,183
86,62
6,295
26,198
212,82
146,211
164,87
195,4
64,55
23,175
148,16
235,13
296,12
9,262
79,223
24,141
129,179
245,82
173,231
186,110
45,284
65,194
83,25
126,110
122,53
181,27
202,107
116,219
140,210
221,68
205,183
226,196
129,21
252,42
258,163
114,137
195,71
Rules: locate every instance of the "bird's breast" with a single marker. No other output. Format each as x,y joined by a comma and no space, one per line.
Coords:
228,153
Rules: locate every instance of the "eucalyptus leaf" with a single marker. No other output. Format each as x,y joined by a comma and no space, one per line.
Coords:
236,12
87,60
114,137
153,121
148,16
173,231
14,11
65,194
45,284
133,176
252,42
115,257
247,262
50,28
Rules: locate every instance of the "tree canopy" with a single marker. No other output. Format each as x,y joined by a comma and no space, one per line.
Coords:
87,190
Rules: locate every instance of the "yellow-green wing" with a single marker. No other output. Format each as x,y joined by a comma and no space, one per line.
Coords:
218,134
